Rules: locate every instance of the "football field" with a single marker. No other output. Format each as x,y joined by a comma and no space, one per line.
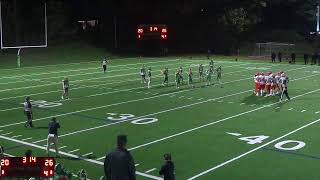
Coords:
212,132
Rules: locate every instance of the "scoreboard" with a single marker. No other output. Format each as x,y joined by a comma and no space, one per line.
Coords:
152,31
26,167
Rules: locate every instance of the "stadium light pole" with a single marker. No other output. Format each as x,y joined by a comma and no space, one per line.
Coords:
318,13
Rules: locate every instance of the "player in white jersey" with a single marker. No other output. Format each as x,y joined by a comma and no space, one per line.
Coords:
268,83
104,65
262,82
257,84
65,86
277,83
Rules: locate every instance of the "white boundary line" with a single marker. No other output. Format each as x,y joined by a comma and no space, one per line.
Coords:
72,155
251,151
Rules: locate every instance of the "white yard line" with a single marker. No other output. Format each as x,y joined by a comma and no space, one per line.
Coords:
87,154
251,151
16,136
26,139
150,170
5,134
73,156
216,122
75,150
62,147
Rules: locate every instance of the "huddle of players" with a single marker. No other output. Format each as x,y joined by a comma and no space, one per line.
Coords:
179,79
271,84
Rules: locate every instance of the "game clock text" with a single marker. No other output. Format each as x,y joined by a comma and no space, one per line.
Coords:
27,167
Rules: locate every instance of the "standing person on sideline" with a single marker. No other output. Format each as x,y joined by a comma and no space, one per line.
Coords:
279,56
149,77
167,170
273,57
119,163
293,58
284,80
65,86
53,135
306,58
104,65
28,112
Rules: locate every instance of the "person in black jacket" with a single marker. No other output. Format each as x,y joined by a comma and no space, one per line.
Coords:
306,58
273,57
279,56
119,163
167,170
293,58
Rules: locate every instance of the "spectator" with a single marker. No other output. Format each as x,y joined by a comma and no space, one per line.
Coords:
119,163
293,58
279,56
273,57
167,170
306,58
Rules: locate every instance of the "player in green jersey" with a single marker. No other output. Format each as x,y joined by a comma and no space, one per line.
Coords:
165,72
209,76
149,77
143,74
219,75
200,72
178,79
190,74
65,86
181,74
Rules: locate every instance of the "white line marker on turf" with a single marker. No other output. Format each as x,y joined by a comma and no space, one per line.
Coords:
290,109
317,112
26,139
200,99
16,136
277,107
251,151
181,97
76,150
63,147
1,130
253,105
149,171
230,102
6,134
303,110
136,165
90,153
74,156
190,98
242,104
220,101
234,134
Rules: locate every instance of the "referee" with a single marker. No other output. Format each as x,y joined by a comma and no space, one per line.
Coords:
53,135
28,112
284,80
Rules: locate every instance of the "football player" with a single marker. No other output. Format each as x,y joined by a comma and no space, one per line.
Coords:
143,74
181,74
200,72
190,74
165,72
257,83
268,83
178,79
28,112
104,65
219,75
65,86
209,76
149,77
262,82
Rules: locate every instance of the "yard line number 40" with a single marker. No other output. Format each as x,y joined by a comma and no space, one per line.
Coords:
287,145
134,119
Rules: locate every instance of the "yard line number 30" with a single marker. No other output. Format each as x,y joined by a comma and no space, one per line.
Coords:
130,117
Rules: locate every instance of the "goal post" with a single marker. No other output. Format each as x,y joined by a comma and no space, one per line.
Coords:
19,47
